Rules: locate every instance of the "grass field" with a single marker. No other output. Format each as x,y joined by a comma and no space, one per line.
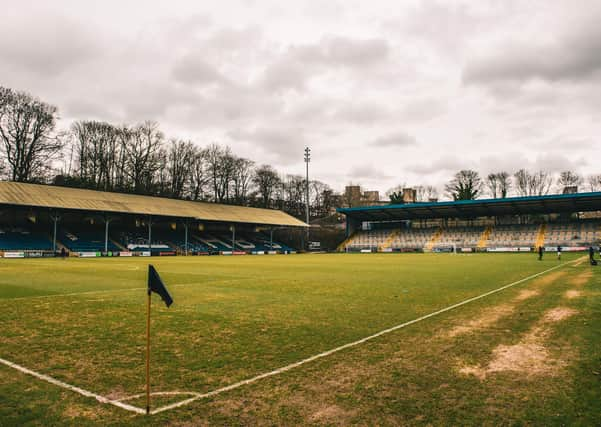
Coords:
529,354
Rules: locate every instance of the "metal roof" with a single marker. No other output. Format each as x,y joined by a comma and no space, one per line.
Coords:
64,198
554,203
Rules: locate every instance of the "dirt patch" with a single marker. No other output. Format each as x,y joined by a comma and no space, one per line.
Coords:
489,318
526,357
331,414
573,293
558,314
116,394
582,278
81,411
547,279
527,293
494,314
529,356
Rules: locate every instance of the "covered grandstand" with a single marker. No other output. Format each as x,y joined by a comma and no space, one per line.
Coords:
41,220
572,221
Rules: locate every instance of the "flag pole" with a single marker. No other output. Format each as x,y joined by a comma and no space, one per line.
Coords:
148,354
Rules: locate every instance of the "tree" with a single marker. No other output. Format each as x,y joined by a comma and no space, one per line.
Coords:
241,179
541,183
504,183
199,178
220,167
29,143
569,179
465,185
533,184
594,182
96,145
522,179
498,184
425,193
266,180
293,191
321,197
180,158
142,146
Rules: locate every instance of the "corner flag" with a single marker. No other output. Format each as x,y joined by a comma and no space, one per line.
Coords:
155,284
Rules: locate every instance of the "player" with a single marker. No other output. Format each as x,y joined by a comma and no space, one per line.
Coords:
540,253
558,253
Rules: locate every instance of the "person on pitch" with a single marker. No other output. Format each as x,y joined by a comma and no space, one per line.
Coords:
558,253
540,253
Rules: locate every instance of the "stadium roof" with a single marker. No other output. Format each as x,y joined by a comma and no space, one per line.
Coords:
555,203
63,198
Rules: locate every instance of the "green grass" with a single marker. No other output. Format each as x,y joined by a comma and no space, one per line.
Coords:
83,322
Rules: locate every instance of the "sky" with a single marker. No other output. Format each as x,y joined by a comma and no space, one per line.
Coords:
383,92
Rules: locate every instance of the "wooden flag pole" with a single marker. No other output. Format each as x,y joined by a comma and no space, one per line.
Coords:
148,355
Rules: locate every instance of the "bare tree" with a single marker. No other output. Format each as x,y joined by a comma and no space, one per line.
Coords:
96,146
267,181
465,185
504,183
142,149
541,183
498,184
220,166
425,193
29,143
533,184
594,182
180,161
199,177
522,179
569,179
241,179
321,197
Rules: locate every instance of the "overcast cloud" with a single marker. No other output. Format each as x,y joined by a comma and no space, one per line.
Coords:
383,92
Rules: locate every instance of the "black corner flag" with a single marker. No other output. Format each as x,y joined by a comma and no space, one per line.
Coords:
155,284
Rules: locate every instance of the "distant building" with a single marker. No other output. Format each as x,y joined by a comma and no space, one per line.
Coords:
409,195
371,196
355,196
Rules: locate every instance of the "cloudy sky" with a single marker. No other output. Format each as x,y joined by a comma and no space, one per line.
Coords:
383,92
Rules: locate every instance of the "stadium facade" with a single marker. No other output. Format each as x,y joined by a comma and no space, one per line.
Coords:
41,220
570,221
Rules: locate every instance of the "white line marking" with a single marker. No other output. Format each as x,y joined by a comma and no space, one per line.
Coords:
79,390
159,393
351,344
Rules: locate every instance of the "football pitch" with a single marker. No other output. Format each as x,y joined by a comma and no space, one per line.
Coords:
388,339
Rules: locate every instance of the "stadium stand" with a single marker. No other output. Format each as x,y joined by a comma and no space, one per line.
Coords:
72,218
214,244
571,234
138,242
263,243
177,240
513,235
413,239
85,241
19,239
512,224
460,236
